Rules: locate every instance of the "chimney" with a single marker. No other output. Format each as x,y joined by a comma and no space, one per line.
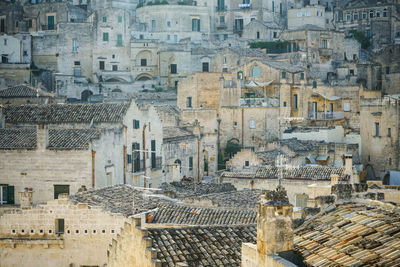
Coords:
274,225
348,164
25,199
2,118
42,138
334,179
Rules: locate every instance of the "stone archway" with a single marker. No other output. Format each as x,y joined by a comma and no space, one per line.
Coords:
85,95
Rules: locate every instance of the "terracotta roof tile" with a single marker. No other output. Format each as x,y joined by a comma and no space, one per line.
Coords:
23,91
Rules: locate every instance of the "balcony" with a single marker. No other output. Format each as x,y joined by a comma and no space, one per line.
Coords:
326,52
259,102
221,26
46,27
221,8
326,115
244,6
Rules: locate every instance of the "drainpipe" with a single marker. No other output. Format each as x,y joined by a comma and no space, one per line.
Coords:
144,155
198,160
242,126
93,162
125,161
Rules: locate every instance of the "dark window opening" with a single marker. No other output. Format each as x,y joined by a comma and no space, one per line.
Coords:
205,67
101,65
174,69
60,189
143,62
60,226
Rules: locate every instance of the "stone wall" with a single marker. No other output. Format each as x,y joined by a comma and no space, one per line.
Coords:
29,236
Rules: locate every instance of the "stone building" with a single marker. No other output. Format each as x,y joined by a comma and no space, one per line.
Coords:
261,31
310,15
174,22
75,231
379,135
25,94
83,134
375,20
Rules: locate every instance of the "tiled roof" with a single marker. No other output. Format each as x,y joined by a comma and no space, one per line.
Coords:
66,113
188,189
17,138
174,132
283,65
71,138
123,199
178,214
201,246
300,145
23,91
244,199
302,172
351,235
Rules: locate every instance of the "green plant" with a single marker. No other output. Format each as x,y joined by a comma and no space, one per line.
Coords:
361,38
159,89
273,47
139,5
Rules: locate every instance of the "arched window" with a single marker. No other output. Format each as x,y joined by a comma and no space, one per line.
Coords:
255,72
371,13
384,13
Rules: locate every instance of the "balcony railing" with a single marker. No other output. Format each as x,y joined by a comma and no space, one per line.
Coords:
259,102
221,8
222,25
325,52
50,27
326,115
245,6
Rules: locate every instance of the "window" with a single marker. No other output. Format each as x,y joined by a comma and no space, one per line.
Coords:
255,72
239,24
295,101
190,163
196,25
50,23
77,72
352,72
376,128
205,67
136,157
355,16
101,65
302,76
283,74
368,33
378,13
153,154
252,124
387,69
119,39
119,19
314,84
324,43
258,35
5,41
174,69
25,53
4,58
222,19
284,103
153,25
77,63
189,102
136,124
104,19
74,45
364,15
371,13
346,106
307,13
143,62
280,8
60,226
168,37
390,161
240,75
246,164
384,13
105,36
275,34
6,194
2,25
235,124
141,36
369,158
348,17
175,38
168,24
299,14
60,189
389,132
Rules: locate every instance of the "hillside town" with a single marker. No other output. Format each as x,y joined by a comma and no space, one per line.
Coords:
174,133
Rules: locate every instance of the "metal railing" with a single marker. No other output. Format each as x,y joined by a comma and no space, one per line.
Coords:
326,115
